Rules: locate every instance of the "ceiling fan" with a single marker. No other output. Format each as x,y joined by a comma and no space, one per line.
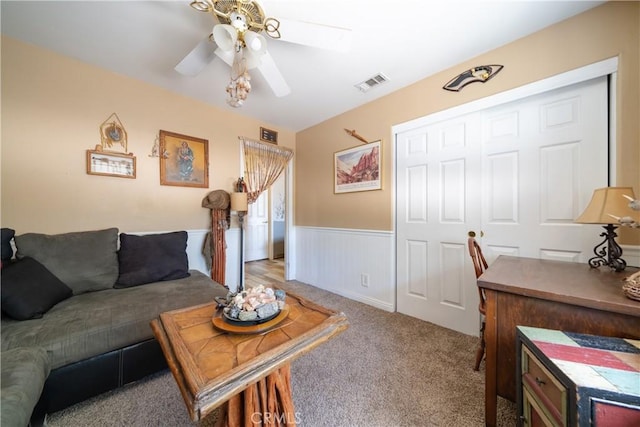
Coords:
237,39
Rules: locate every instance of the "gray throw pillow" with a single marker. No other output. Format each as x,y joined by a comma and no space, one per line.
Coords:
85,260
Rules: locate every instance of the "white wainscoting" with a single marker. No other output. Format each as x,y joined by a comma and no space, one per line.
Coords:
195,243
232,271
335,260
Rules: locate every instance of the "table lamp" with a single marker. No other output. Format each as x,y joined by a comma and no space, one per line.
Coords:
240,204
610,207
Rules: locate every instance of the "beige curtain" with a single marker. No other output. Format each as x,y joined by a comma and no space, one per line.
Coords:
263,164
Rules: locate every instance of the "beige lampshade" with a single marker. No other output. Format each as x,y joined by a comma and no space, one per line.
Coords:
607,205
239,202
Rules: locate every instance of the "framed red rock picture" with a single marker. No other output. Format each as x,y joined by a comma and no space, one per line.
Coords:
358,168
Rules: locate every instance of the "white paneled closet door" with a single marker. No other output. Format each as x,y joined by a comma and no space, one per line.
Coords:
516,174
438,202
542,158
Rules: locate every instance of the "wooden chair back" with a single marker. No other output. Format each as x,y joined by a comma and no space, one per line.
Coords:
480,265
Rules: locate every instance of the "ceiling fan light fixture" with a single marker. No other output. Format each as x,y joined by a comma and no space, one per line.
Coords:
225,36
239,86
272,28
240,33
249,10
255,48
255,42
239,22
201,5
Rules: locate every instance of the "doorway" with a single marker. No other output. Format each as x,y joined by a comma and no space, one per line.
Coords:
266,225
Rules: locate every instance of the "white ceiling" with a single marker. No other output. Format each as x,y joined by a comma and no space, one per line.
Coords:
405,40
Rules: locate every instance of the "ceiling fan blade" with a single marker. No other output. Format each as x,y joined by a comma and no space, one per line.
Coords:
197,59
315,35
225,55
272,75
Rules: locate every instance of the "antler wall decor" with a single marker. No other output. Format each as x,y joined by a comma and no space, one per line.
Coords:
356,136
481,73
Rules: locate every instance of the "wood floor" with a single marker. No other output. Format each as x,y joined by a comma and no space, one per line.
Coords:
264,272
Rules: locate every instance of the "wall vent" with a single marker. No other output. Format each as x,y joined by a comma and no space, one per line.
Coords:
371,82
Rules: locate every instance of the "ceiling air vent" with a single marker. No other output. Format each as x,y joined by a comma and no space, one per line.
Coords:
372,82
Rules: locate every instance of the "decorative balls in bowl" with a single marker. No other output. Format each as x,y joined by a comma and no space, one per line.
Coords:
254,305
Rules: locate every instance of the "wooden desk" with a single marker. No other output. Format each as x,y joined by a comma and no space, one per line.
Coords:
547,294
250,372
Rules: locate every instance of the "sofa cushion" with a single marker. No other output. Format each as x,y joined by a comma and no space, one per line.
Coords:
6,234
24,372
94,323
152,258
85,260
29,290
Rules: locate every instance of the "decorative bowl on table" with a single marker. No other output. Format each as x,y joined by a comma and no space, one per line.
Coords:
253,306
631,286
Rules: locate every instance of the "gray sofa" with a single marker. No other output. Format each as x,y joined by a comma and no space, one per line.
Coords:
95,334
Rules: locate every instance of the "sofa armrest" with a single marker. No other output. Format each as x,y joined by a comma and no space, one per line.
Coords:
24,372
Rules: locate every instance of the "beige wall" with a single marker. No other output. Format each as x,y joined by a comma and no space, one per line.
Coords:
52,109
610,30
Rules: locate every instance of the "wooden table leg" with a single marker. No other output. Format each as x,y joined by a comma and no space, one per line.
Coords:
491,340
266,403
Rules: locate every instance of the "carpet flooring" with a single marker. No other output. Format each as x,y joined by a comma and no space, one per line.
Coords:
386,369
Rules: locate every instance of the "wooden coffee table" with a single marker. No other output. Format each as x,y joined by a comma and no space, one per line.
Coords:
248,372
